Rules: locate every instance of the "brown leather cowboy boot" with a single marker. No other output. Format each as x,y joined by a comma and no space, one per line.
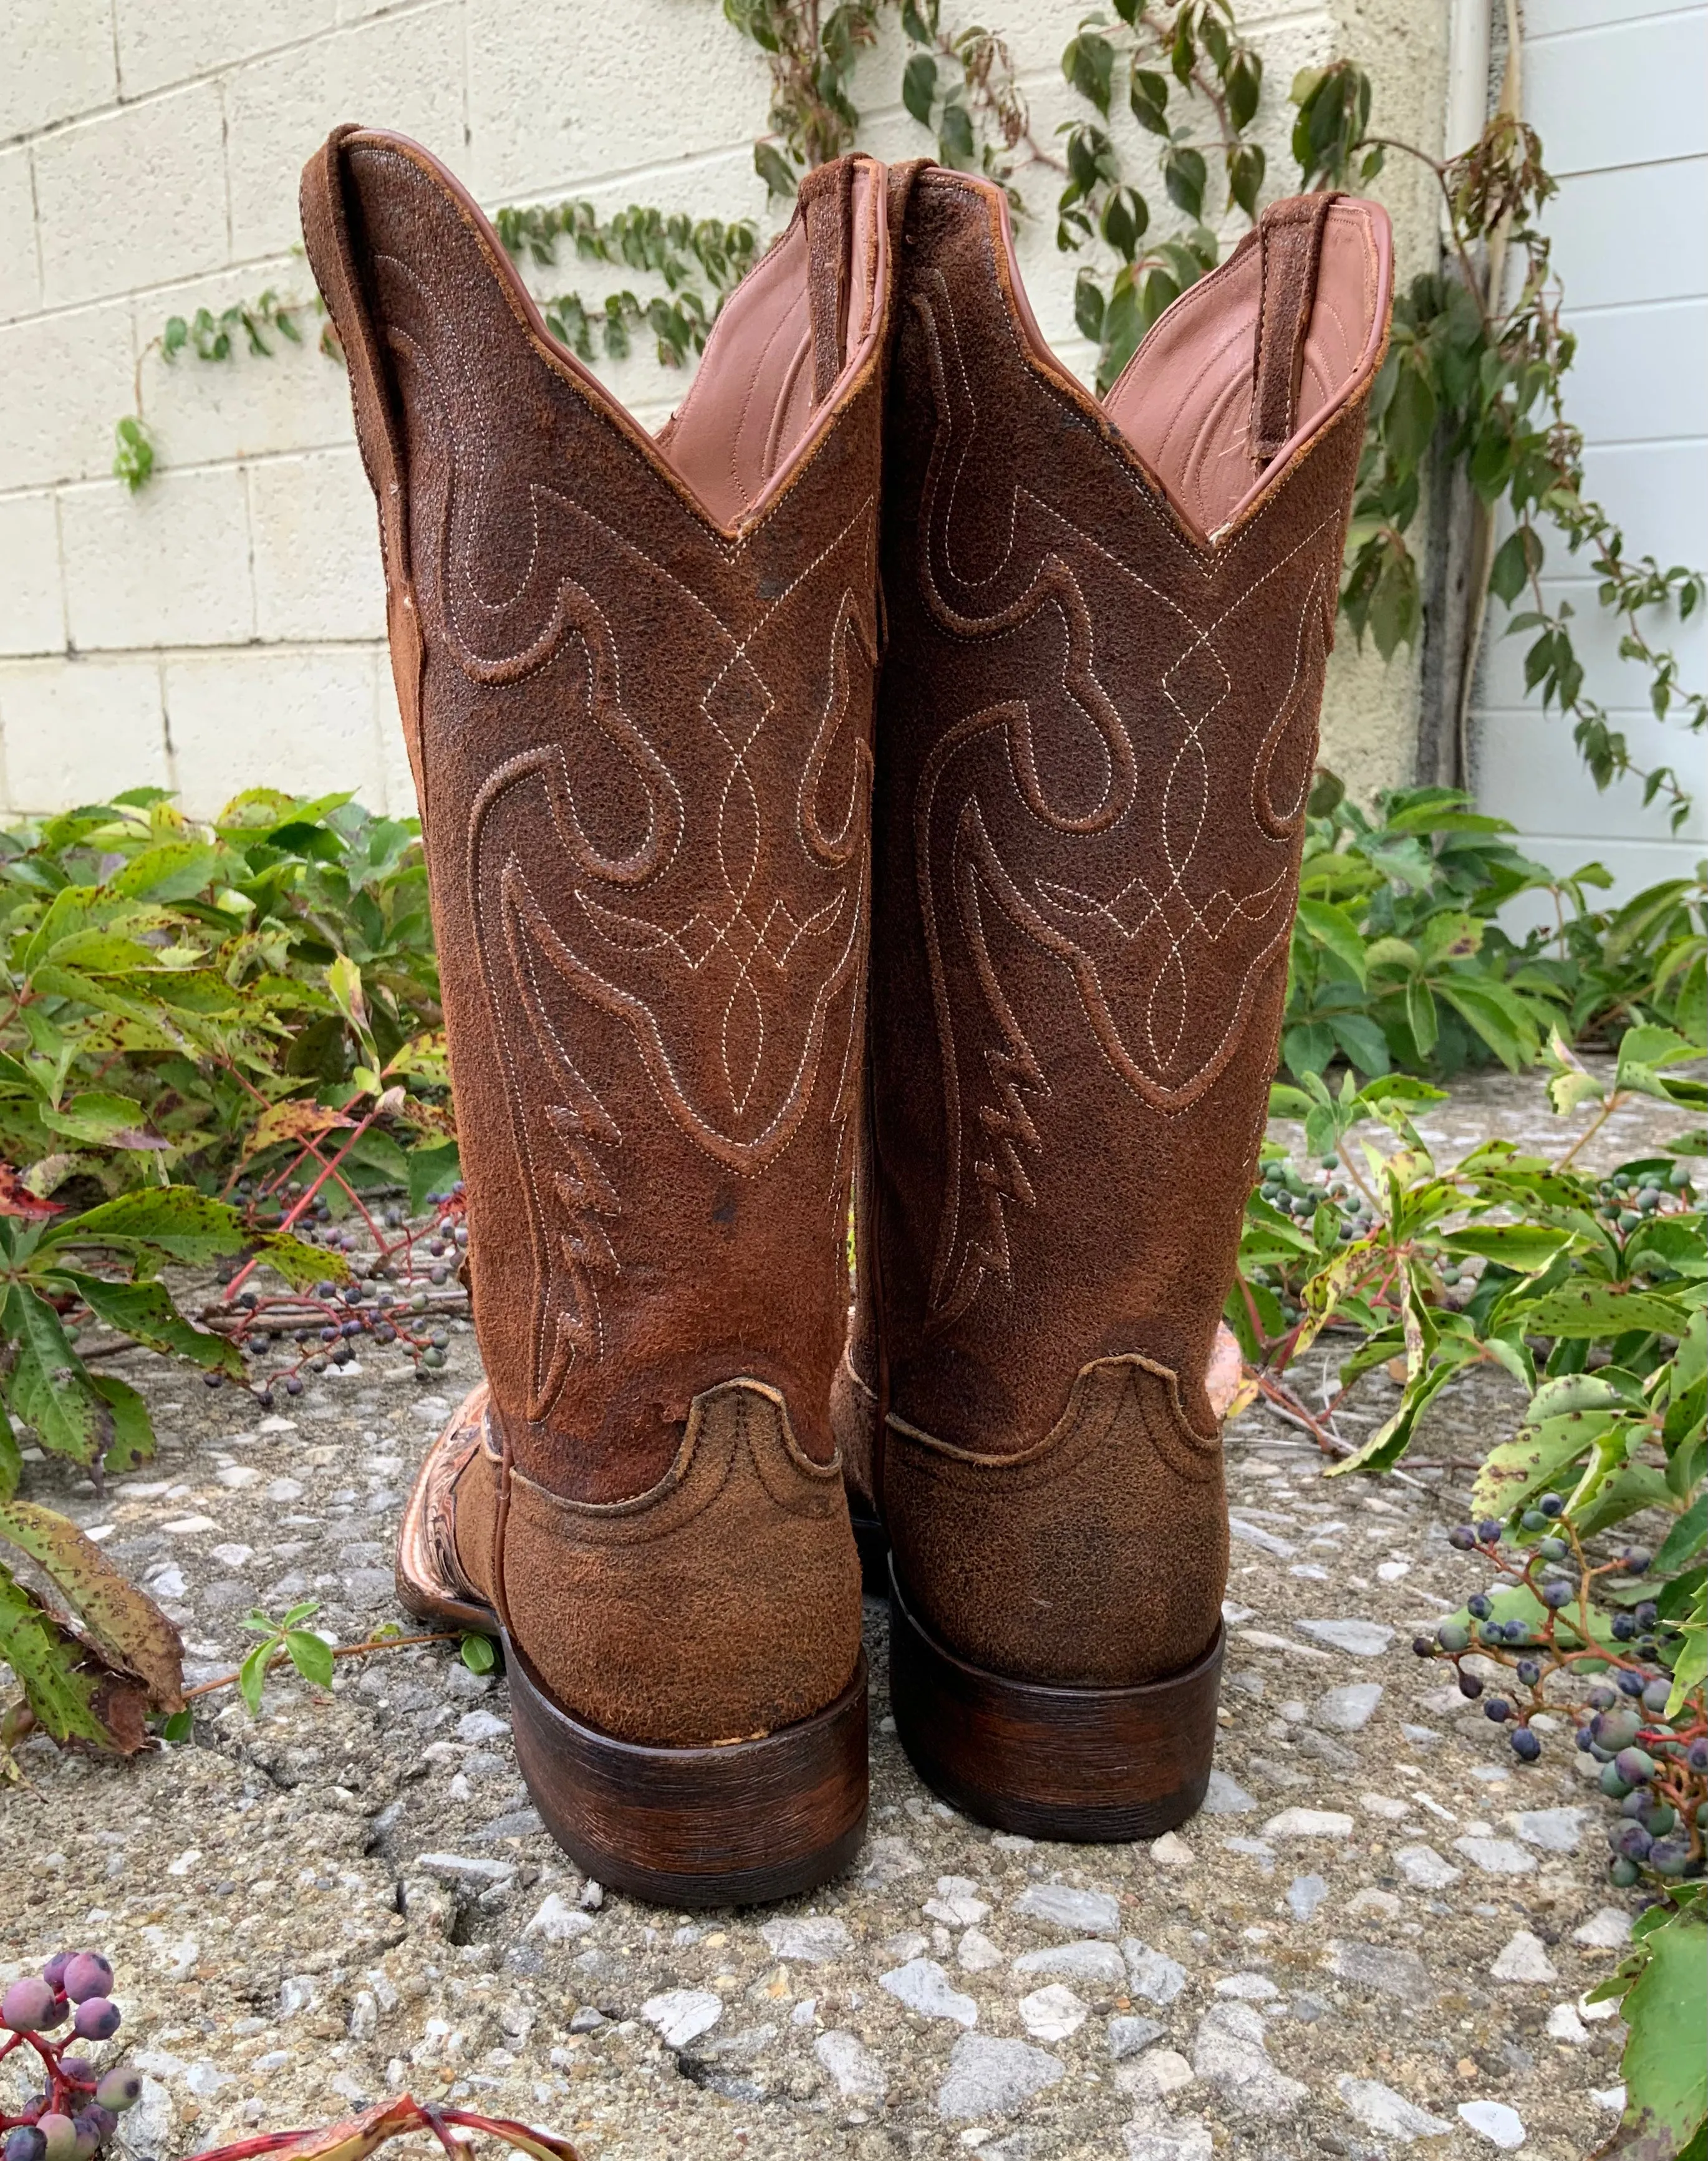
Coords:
636,684
1097,729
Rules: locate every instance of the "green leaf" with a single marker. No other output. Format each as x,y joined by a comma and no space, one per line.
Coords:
124,1622
48,1388
1526,1249
774,169
310,1654
1665,2065
132,1439
1333,928
174,1220
477,1653
433,1169
49,1663
171,870
98,1119
145,1312
1518,1469
1593,1309
251,1675
919,86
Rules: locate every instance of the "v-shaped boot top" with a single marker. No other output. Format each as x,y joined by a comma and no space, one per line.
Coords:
798,334
1243,372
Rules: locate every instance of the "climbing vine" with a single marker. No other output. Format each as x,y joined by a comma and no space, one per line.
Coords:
1474,381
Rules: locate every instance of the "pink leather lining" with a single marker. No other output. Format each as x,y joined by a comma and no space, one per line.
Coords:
1184,399
750,404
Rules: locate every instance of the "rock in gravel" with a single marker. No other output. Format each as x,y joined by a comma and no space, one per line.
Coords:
1423,1867
858,2073
1402,1975
1054,2013
1230,2053
924,1987
1251,1534
1129,2033
957,1903
1348,1709
556,1922
1496,1856
887,1861
1226,1798
976,1953
1494,2121
1309,1823
1170,1850
1553,1831
1304,1894
1389,2114
467,1868
1086,1912
1524,1959
1157,2072
1248,1987
988,2077
682,2015
1151,2136
1152,1975
1364,1640
1089,1960
815,1939
1606,1929
1564,2024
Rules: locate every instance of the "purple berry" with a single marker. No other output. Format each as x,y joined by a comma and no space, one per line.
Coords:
1630,1684
1525,1745
119,2090
1634,1842
1470,1684
1635,1766
1477,1604
53,1972
1696,1755
1623,1628
1488,1531
98,2018
1463,1536
1498,1709
1634,1561
1669,1857
78,2069
26,2144
1586,1740
1556,1593
29,2005
1551,1504
1529,1672
88,1974
104,2121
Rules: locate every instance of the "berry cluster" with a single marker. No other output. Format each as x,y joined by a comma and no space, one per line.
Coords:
400,1295
77,2112
1630,1196
1656,1768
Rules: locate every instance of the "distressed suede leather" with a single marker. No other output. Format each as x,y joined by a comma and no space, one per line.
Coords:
1096,730
638,706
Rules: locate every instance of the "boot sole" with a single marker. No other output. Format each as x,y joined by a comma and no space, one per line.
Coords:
738,1824
1085,1765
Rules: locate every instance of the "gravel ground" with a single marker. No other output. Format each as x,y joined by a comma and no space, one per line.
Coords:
1378,1933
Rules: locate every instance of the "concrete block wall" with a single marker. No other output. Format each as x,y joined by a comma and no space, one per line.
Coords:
223,628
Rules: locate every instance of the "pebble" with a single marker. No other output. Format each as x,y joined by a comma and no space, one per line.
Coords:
1225,1798
957,1903
557,1922
1564,2024
988,2077
1524,1959
1153,2137
1304,1894
1309,1823
1606,1929
817,1939
1496,1856
476,1725
1247,1988
1251,1534
1054,2013
1086,1912
858,2073
976,1953
1129,2033
1389,2114
1090,1960
1494,2121
467,1867
1399,1974
1364,1640
1156,1977
1170,1850
1554,1831
1423,1867
682,2015
1157,2072
1385,1806
1347,1710
1230,2053
1610,2098
924,1987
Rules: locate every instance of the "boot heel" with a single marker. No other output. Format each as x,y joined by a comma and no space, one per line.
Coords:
1085,1765
735,1825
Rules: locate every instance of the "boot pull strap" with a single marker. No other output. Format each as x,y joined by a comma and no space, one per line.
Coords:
325,219
1289,241
827,202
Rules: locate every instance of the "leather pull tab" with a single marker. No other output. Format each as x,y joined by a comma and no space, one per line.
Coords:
326,228
1289,239
827,201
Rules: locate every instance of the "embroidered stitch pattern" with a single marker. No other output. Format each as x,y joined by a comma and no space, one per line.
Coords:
1168,960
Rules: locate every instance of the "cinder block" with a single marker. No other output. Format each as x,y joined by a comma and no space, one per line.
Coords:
80,730
202,411
161,44
399,782
317,561
20,267
603,90
32,619
133,198
402,71
66,378
169,566
58,62
292,718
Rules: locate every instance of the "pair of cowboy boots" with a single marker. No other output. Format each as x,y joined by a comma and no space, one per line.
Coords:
893,770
